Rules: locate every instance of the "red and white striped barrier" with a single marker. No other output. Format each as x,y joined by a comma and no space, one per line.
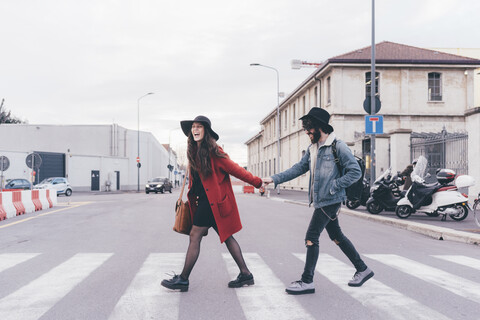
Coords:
14,203
43,198
3,213
27,201
7,204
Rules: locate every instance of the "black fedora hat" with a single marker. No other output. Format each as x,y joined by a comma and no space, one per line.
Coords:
320,115
187,125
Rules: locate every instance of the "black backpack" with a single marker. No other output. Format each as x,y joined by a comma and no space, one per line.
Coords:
354,191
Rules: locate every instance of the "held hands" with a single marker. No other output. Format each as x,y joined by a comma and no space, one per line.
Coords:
267,180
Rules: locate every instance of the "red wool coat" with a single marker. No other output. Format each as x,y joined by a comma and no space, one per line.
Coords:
220,194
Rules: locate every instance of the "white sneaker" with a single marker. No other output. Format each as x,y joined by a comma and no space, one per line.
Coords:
360,277
300,287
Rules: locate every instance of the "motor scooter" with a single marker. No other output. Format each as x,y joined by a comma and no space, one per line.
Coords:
385,192
439,198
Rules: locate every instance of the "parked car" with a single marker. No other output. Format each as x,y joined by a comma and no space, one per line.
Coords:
159,184
23,184
59,183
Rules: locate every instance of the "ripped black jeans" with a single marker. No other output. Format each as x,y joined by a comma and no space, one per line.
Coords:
326,218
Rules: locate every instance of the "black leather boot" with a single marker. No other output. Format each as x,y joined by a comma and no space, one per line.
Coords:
242,280
177,282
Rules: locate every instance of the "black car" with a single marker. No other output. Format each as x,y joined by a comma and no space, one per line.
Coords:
158,184
23,184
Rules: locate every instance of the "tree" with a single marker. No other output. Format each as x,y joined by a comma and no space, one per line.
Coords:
6,115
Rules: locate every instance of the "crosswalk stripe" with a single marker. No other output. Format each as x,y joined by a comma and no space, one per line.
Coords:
145,298
463,260
37,297
8,260
373,294
460,286
267,298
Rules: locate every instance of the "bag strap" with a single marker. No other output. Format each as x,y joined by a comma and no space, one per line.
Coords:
183,186
336,160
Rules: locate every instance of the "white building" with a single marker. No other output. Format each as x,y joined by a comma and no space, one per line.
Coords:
423,93
90,156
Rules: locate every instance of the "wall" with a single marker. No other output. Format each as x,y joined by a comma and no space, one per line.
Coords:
107,148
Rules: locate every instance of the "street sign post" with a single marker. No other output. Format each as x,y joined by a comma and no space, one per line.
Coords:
374,124
33,161
4,165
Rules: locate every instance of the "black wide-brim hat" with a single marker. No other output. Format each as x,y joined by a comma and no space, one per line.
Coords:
187,126
319,114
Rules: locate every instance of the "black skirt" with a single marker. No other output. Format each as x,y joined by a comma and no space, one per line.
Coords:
203,216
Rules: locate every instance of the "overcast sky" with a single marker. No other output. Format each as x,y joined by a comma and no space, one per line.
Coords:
87,62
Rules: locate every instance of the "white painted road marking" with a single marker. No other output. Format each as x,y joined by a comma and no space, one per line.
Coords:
266,299
37,297
8,260
145,298
463,260
460,286
373,294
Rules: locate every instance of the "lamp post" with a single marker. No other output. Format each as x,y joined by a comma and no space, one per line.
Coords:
170,153
138,139
278,114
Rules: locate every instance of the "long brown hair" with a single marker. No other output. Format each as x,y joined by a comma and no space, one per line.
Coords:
199,159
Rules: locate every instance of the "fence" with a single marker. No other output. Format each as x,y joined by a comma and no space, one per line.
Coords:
442,150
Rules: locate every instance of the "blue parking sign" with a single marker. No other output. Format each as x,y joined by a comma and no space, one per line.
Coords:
373,124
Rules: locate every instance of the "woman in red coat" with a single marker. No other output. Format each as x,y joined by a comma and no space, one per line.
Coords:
211,199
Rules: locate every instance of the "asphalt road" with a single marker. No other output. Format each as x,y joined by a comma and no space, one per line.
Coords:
104,256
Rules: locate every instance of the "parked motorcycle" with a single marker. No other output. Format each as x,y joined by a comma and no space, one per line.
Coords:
439,198
385,192
362,198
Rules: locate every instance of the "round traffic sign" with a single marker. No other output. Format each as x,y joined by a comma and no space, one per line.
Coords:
35,159
367,104
4,163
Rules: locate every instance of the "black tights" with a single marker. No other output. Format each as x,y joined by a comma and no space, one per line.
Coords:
193,251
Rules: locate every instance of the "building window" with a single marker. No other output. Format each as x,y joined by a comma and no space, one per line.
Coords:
269,167
274,166
368,84
304,102
285,126
434,86
316,97
329,87
293,114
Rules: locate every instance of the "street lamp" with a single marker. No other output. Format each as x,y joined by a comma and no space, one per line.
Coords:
138,139
278,114
170,154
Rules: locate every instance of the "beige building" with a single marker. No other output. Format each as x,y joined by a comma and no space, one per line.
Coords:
423,93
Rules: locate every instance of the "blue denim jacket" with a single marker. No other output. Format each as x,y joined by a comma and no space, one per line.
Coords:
328,185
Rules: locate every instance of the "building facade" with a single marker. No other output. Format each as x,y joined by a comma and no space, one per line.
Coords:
421,91
92,157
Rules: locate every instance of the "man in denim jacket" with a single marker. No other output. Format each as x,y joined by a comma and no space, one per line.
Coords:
326,191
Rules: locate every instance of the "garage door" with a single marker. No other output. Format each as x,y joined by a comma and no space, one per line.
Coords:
53,165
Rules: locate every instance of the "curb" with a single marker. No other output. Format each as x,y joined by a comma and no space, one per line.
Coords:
439,233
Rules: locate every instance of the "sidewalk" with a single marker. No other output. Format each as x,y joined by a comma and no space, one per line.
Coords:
461,231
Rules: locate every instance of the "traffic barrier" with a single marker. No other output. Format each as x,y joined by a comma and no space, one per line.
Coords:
17,202
27,201
248,189
52,197
36,200
7,204
43,198
3,213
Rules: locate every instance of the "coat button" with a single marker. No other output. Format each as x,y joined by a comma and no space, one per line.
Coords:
211,204
206,189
